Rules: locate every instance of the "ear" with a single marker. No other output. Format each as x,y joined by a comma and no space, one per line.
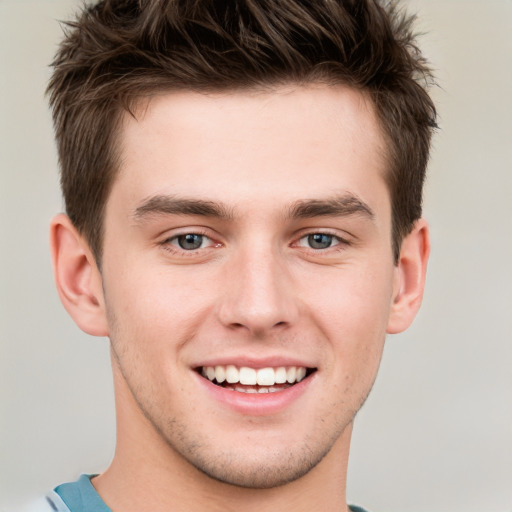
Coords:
409,281
77,277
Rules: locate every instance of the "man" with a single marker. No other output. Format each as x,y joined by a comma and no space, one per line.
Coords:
243,187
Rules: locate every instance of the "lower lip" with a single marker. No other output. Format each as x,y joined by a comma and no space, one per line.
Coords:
257,404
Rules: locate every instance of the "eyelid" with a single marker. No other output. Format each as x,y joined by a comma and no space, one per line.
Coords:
169,237
343,237
341,242
174,238
167,240
336,240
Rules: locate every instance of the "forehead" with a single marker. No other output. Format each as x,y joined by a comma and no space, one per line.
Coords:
292,141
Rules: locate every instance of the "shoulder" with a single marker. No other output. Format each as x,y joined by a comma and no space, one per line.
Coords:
79,496
355,508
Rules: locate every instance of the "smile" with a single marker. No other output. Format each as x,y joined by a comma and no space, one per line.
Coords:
252,380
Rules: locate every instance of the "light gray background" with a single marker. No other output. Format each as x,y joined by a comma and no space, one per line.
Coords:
435,435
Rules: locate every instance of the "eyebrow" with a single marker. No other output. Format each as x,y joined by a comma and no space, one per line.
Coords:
342,206
171,205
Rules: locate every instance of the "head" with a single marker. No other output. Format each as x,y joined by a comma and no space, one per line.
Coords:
119,53
248,175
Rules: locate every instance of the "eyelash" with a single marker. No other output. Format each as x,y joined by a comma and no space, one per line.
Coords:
170,244
339,243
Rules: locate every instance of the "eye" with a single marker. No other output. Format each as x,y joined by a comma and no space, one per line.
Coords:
319,241
192,246
190,241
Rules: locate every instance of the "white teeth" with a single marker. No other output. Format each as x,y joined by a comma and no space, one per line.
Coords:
251,377
220,374
232,375
245,390
249,390
247,376
281,375
266,377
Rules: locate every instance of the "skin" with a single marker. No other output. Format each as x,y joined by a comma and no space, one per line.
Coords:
255,290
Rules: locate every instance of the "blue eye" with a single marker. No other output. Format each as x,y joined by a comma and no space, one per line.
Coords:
320,240
190,241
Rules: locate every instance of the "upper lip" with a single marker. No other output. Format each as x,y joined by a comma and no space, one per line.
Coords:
256,363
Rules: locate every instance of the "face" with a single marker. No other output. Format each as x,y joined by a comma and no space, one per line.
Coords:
248,275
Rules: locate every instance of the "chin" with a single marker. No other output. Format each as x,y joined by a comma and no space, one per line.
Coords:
265,467
260,474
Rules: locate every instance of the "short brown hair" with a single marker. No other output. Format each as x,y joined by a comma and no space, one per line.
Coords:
119,51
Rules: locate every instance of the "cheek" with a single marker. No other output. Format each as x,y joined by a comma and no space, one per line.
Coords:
156,308
352,299
352,312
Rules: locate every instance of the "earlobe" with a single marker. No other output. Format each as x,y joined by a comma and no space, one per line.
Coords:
77,277
410,275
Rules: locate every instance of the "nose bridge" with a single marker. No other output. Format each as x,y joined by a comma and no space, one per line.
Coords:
259,295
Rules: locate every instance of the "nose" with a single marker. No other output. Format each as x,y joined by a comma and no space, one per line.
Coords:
258,294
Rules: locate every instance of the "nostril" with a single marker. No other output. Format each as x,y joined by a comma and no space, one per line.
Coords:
237,325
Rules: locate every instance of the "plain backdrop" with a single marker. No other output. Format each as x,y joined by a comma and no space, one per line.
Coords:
436,433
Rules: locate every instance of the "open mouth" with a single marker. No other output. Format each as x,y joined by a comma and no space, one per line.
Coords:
252,380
